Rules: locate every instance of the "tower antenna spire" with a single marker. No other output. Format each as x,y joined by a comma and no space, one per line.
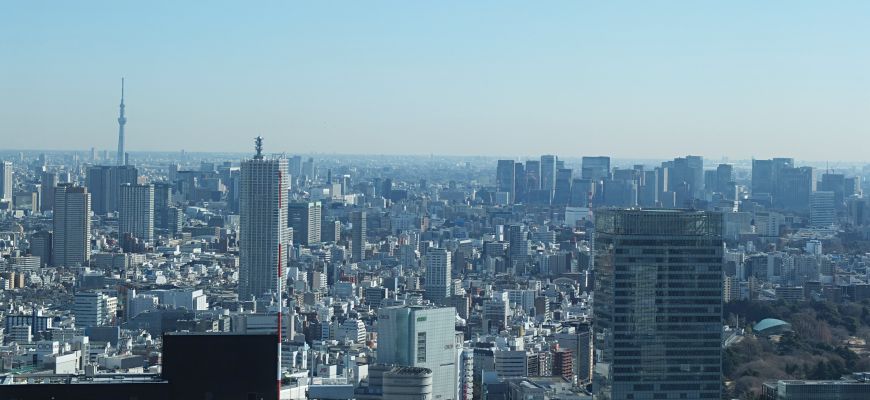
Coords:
122,120
258,146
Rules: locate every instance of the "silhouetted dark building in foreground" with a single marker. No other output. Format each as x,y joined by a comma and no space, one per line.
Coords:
195,366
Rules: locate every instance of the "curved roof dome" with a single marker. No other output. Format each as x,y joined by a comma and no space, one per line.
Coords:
769,323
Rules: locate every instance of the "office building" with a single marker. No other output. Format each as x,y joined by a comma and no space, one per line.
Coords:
724,178
762,177
793,188
823,213
72,226
520,189
505,178
686,178
104,183
582,190
595,168
579,343
6,180
518,239
305,219
856,387
438,275
263,232
658,304
423,337
94,309
162,201
548,173
358,236
533,174
765,174
40,246
648,192
836,183
562,192
136,211
167,216
48,180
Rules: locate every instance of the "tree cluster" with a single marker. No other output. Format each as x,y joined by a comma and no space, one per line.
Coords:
816,349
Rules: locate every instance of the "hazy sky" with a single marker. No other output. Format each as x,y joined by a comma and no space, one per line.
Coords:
631,79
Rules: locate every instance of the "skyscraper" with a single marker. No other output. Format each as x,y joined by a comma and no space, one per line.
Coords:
658,304
686,178
595,168
724,178
295,166
122,120
104,183
48,181
358,236
696,168
581,191
793,188
836,183
166,216
518,239
263,232
438,275
40,246
823,212
765,174
136,211
562,192
505,179
762,177
520,189
305,219
548,173
6,180
533,175
648,194
72,226
417,336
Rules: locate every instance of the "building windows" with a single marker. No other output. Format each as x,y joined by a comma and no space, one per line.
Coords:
421,347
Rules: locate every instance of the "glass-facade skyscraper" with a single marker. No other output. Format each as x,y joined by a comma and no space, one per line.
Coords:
658,304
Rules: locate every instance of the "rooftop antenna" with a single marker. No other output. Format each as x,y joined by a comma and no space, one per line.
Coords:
258,146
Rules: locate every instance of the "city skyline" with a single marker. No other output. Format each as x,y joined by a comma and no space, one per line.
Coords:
656,81
443,201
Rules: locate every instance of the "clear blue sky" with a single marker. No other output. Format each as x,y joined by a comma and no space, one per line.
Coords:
631,79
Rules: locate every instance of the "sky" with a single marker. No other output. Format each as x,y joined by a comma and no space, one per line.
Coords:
630,79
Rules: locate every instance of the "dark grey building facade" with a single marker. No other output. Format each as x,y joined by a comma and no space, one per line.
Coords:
658,304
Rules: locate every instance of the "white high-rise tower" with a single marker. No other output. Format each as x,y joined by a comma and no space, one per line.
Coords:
122,120
264,235
6,180
438,278
136,211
